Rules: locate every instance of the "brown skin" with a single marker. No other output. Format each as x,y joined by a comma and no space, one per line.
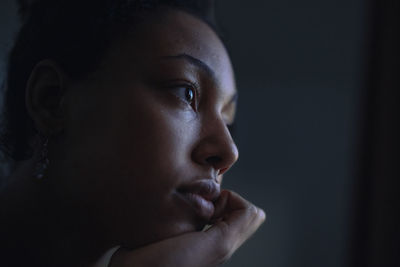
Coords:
122,142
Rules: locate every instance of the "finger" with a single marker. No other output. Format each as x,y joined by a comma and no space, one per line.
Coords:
233,208
239,221
241,213
220,206
193,249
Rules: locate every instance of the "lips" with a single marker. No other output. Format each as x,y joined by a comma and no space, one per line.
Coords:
200,196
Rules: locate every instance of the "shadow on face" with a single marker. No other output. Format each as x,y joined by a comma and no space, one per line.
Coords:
150,121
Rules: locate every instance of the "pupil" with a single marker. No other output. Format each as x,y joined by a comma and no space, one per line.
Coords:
189,94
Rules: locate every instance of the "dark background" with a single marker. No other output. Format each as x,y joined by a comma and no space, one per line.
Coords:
298,66
299,69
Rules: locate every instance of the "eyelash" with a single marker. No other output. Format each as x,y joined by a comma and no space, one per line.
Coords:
187,85
196,95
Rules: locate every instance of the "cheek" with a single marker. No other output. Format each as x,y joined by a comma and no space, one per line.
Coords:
152,148
130,156
154,145
148,144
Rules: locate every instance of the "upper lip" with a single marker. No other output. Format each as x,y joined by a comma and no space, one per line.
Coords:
206,188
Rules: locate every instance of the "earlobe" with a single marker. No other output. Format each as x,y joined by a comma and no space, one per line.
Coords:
44,97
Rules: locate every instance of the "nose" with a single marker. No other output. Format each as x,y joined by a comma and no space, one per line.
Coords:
216,147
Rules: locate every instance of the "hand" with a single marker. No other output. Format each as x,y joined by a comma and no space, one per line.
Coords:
235,220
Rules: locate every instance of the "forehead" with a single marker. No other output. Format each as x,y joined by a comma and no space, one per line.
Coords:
173,32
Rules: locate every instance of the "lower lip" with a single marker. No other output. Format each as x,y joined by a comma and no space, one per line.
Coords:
203,208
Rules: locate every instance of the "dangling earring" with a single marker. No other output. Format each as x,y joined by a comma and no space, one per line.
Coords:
43,161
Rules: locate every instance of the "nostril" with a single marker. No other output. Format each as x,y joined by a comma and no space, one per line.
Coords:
218,164
214,160
222,171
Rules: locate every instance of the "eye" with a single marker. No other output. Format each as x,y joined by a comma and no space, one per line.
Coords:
185,93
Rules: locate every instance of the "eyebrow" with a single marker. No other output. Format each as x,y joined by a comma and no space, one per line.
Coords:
194,61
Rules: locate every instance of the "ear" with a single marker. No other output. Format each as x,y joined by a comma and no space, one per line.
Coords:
44,97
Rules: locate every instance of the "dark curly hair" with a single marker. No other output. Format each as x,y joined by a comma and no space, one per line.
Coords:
70,31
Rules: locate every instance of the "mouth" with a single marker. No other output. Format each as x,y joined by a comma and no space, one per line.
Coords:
200,197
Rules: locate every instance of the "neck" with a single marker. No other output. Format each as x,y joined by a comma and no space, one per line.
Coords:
38,226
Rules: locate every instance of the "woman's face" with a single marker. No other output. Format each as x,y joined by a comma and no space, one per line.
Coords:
146,138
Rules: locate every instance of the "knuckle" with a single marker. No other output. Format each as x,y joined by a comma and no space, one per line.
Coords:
255,214
262,215
252,210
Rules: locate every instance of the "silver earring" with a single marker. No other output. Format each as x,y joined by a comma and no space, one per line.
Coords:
43,162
